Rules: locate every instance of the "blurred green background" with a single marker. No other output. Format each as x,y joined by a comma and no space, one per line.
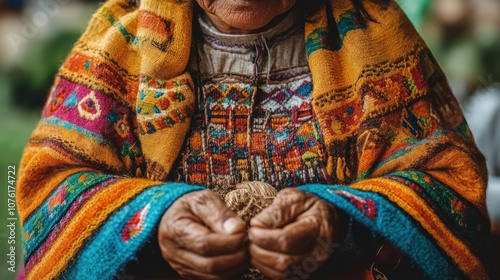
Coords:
464,35
27,69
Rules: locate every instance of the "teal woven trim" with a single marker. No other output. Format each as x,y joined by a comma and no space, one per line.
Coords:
383,218
320,38
460,216
125,232
42,221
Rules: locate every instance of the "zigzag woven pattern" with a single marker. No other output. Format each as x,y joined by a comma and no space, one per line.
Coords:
397,153
236,138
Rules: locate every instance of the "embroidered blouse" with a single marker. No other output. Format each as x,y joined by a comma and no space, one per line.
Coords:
254,120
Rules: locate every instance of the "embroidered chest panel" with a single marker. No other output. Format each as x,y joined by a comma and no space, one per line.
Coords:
244,132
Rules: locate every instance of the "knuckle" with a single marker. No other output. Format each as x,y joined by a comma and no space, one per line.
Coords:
291,196
286,194
283,262
166,250
323,206
290,191
200,246
175,231
274,216
182,271
285,242
209,266
203,196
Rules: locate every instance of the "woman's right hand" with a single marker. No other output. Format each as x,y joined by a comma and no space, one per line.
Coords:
203,239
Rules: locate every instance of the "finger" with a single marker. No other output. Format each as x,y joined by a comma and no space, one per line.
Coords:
269,272
189,273
210,243
192,236
285,208
278,261
214,213
208,265
296,238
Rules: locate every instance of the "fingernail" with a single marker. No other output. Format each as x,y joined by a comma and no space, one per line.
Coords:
231,225
254,233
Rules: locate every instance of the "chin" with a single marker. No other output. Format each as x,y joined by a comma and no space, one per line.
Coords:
251,23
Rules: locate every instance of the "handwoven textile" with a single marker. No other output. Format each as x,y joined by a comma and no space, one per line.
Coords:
254,120
400,157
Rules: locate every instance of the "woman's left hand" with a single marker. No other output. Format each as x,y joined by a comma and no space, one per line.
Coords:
293,236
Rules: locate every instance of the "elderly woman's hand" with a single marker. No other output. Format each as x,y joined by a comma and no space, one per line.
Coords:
203,239
292,236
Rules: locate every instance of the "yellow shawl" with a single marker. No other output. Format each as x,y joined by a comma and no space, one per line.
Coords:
92,185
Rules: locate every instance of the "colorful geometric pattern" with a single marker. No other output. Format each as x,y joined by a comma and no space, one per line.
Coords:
392,224
380,130
93,115
37,227
321,39
162,104
109,244
247,132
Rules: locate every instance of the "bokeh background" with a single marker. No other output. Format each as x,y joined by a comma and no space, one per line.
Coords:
36,36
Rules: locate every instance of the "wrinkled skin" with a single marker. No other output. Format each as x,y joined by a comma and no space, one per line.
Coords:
294,227
244,16
202,239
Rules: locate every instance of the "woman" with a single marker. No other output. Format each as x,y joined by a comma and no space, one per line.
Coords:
160,101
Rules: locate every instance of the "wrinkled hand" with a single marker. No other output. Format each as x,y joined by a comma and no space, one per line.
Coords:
203,239
292,236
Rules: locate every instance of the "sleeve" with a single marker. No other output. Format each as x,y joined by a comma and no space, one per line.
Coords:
418,181
402,160
92,189
81,195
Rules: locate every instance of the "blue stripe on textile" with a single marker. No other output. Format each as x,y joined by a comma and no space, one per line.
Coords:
42,221
320,38
113,245
458,214
73,127
391,223
405,150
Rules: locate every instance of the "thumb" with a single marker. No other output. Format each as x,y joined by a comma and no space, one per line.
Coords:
233,225
286,207
214,213
270,217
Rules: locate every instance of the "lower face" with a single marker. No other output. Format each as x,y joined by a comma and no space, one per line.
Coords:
246,16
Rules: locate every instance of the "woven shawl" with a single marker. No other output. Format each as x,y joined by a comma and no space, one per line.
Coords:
94,175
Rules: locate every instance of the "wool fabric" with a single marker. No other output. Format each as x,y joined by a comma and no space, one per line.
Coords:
254,120
401,160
